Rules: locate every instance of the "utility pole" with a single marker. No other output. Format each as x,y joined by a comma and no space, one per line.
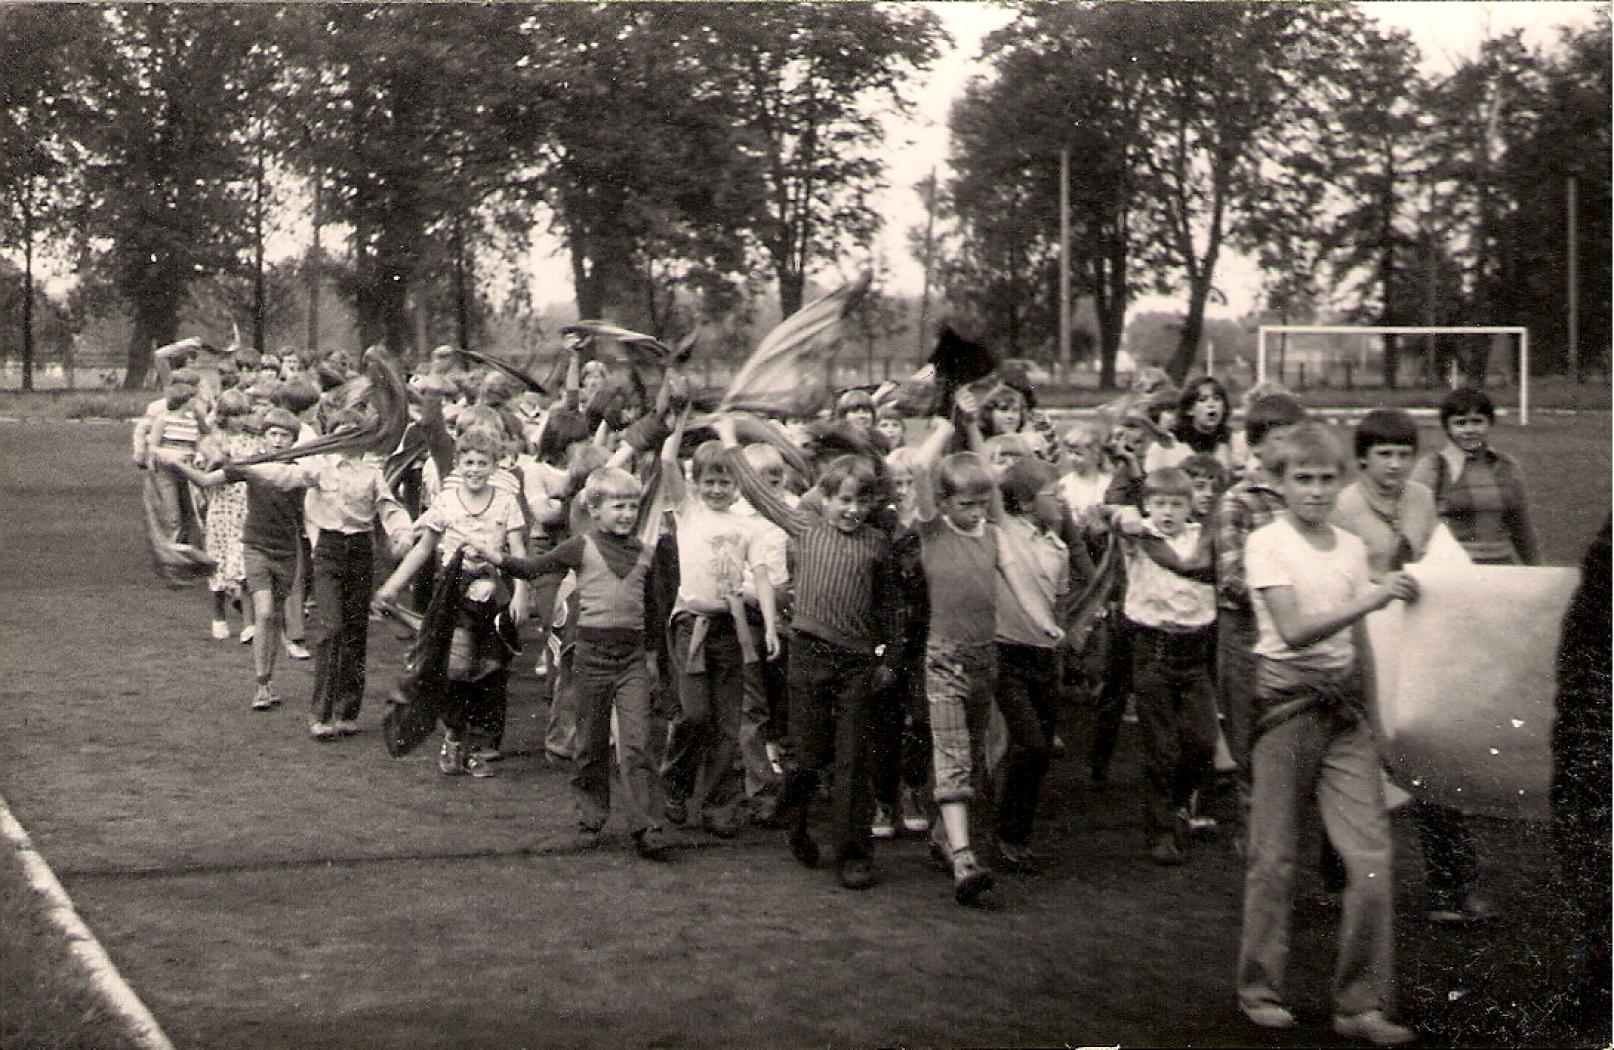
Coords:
1574,287
312,272
1064,257
930,244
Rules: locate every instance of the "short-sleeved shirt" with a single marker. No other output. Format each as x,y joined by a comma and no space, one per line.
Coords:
770,547
1161,599
453,517
714,548
1277,555
961,571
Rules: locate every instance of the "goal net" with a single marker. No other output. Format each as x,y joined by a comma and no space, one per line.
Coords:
1406,358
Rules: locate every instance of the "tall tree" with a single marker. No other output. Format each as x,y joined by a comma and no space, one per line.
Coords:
40,163
811,83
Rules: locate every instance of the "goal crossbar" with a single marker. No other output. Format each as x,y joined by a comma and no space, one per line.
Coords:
1364,329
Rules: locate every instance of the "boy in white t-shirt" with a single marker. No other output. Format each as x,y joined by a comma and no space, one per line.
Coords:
473,516
710,641
1310,587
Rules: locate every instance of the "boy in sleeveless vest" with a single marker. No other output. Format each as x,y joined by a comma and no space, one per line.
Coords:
608,664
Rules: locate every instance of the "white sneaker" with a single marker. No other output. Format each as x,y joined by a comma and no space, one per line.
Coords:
321,730
346,726
1373,1027
883,827
296,650
247,633
1269,1015
221,630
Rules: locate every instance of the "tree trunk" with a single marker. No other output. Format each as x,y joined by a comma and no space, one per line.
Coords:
312,270
1193,329
1387,269
791,284
156,321
27,297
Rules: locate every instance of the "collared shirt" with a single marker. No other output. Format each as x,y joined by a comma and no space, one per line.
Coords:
1482,499
345,494
1247,506
1159,598
1034,564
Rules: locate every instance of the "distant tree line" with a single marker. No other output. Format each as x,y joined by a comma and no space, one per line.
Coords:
1303,134
680,151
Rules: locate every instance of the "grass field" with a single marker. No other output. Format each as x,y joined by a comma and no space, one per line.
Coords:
261,890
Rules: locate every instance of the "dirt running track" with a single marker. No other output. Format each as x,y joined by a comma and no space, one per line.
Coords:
260,890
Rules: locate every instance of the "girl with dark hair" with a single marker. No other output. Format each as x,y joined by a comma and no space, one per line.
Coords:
1479,490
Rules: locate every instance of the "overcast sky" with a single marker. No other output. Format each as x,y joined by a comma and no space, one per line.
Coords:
1445,32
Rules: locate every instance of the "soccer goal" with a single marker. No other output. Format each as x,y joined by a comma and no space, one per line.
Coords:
1361,357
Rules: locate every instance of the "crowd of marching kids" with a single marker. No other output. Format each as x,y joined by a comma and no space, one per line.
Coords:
872,616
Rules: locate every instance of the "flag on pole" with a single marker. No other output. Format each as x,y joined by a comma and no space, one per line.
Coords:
785,375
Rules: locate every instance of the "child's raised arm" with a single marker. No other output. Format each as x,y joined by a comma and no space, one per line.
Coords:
672,473
752,487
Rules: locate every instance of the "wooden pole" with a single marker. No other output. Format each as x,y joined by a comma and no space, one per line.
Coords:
930,245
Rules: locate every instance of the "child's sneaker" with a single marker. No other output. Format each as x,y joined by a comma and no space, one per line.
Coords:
248,633
648,843
478,768
321,730
451,758
346,726
1021,857
296,650
487,754
882,827
675,811
1373,1027
221,630
265,699
970,877
1166,852
914,821
1269,1015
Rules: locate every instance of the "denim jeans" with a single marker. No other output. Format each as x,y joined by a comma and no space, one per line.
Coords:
703,738
609,675
830,697
1171,678
342,570
1028,694
1317,755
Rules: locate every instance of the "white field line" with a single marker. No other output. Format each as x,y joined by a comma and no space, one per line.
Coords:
86,949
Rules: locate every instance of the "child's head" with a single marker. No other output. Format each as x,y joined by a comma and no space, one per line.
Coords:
1310,466
1004,412
1084,446
612,497
888,420
1466,415
291,367
1134,432
593,378
899,471
1209,478
849,488
231,408
964,489
767,462
711,476
475,454
1030,489
269,367
1386,441
1267,420
857,408
1005,449
495,389
1204,407
181,386
279,428
1168,499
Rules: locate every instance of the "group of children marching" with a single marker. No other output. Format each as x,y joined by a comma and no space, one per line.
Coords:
887,613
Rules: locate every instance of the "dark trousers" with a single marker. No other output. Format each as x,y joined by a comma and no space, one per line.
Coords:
1110,702
610,674
899,743
1028,698
343,564
830,698
703,738
474,711
1171,678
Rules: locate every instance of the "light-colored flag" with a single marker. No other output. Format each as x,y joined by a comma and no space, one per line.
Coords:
1464,681
785,374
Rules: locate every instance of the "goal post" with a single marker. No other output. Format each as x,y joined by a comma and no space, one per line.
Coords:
1520,333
